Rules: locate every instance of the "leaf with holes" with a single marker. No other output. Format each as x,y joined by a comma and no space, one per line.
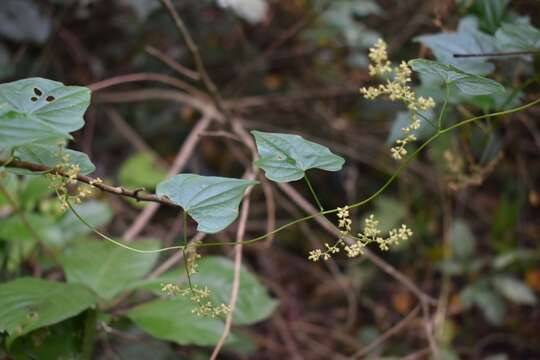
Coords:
27,304
285,157
469,84
210,200
40,110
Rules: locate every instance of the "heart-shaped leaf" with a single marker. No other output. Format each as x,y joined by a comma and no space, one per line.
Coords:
469,84
27,304
285,157
40,110
518,37
466,40
210,200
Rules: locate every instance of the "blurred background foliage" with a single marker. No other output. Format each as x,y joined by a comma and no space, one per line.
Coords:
288,66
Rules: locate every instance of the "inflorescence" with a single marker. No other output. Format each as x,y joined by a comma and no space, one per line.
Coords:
354,245
200,296
396,89
65,176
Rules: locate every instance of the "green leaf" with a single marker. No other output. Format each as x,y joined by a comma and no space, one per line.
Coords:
21,239
96,213
518,37
49,155
172,320
491,13
403,119
140,170
467,40
59,341
210,200
488,301
462,240
27,304
285,157
106,268
40,110
22,20
253,302
469,84
390,212
514,290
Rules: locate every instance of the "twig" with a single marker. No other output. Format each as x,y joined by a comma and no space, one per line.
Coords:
201,69
116,190
244,212
137,77
167,60
387,334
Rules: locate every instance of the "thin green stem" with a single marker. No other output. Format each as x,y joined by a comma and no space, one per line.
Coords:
398,171
184,250
313,193
444,107
89,334
105,237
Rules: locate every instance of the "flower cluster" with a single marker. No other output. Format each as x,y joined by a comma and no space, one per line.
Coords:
344,225
371,234
396,89
200,296
65,174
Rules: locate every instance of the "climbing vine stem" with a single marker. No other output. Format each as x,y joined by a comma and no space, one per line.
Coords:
370,198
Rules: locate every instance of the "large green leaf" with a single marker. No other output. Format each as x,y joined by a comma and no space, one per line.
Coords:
491,13
172,320
49,155
253,305
40,110
253,302
466,40
210,200
21,239
27,304
106,268
518,37
469,84
96,213
285,157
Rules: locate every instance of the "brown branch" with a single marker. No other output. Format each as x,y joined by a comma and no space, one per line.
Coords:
387,335
201,69
170,62
136,194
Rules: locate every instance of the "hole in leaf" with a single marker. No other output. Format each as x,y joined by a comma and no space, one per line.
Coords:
34,99
38,92
50,98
